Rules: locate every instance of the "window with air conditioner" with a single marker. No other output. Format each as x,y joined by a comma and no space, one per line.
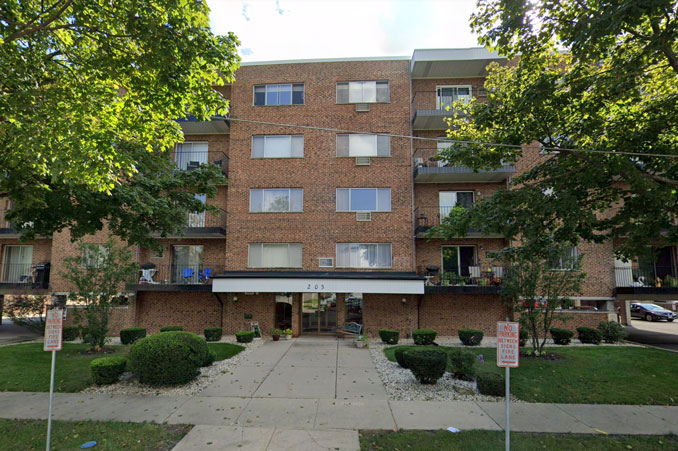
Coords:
279,94
278,146
363,199
363,145
447,95
363,92
274,255
276,200
190,155
363,255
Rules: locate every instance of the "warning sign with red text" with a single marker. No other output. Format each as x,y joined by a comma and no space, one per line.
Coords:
53,330
508,344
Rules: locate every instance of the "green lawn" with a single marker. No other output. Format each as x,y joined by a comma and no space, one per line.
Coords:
596,375
26,367
67,435
491,440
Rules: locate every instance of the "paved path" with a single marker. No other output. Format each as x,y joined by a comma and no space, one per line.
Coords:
315,395
659,334
11,333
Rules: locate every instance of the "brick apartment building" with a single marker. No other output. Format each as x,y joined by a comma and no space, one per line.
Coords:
318,226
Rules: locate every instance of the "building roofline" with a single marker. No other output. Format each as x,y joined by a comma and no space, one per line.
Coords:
326,60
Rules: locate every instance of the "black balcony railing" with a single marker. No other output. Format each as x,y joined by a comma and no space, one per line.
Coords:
473,279
427,217
192,160
658,276
25,275
178,274
431,100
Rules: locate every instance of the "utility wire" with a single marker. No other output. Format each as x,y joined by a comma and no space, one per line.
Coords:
454,141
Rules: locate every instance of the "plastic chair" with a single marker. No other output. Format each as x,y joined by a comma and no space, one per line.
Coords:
188,274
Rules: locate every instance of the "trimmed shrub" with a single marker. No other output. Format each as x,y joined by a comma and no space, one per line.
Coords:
492,384
211,358
171,328
245,336
561,336
612,331
390,337
169,358
524,336
424,337
427,365
400,357
213,333
107,370
70,333
461,363
471,337
588,335
131,335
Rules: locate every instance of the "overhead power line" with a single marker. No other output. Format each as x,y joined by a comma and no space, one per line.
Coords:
454,141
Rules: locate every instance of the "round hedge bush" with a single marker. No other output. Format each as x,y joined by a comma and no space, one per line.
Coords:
492,384
427,365
400,356
169,358
131,335
171,328
612,331
213,333
390,337
424,337
107,370
462,363
245,336
561,336
471,337
70,333
588,335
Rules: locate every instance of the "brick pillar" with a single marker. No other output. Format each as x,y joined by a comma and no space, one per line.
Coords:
341,310
296,314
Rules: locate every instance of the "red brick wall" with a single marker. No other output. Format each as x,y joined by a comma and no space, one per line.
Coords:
121,318
571,319
447,313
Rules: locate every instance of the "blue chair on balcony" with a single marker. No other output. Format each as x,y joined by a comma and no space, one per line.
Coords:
188,275
206,275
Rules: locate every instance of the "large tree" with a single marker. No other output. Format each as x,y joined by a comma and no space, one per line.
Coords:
88,96
590,92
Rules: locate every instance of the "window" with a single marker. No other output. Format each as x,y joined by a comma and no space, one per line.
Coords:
274,255
283,94
278,146
354,308
446,95
566,259
17,265
94,257
363,92
276,200
360,255
187,265
363,199
363,145
458,259
190,155
447,200
195,219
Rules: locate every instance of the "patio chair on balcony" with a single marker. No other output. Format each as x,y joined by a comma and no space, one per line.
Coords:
474,274
147,275
187,274
205,275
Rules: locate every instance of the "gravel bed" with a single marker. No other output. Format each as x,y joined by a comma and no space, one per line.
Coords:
128,385
491,342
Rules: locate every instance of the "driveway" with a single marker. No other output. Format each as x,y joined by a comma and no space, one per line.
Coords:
11,333
660,333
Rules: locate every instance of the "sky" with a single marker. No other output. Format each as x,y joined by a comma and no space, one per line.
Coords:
272,30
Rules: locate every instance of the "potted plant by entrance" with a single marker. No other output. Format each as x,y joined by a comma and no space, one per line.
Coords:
288,334
361,341
276,334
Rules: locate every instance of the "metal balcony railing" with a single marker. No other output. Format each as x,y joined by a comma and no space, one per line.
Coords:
28,275
178,274
190,161
655,277
428,168
474,278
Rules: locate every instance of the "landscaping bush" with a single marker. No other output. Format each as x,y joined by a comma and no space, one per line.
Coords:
131,335
70,333
561,336
492,384
107,370
211,358
169,358
427,365
245,336
213,333
612,331
424,337
171,328
588,335
471,337
524,336
390,337
400,357
461,363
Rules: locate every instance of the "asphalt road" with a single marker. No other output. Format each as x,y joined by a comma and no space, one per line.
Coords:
660,333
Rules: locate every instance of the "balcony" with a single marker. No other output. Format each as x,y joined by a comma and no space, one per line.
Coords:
25,277
453,63
477,281
427,217
7,229
176,277
217,125
428,109
428,169
203,225
190,161
653,282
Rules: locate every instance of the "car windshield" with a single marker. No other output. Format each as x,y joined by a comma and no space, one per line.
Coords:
652,307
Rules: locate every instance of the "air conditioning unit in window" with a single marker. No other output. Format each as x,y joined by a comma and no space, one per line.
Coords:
192,165
362,161
362,107
363,216
326,262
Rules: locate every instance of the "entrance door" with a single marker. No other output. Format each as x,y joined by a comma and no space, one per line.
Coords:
319,313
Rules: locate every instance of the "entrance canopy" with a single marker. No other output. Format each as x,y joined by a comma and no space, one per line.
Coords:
317,282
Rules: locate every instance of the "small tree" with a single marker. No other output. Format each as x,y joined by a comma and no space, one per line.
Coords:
98,273
27,311
537,285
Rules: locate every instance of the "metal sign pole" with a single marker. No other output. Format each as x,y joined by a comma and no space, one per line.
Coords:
51,401
508,400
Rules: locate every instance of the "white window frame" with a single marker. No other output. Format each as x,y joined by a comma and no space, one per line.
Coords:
574,255
439,105
265,137
458,246
267,85
363,83
331,259
336,260
182,161
355,137
289,200
10,270
376,195
261,249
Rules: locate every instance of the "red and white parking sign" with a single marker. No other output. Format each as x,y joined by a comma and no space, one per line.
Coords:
53,330
508,344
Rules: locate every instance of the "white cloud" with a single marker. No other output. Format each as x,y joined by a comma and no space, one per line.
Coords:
299,29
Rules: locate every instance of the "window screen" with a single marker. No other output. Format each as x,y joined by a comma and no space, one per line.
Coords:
360,255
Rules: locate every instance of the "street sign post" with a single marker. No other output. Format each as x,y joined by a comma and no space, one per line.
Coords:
53,335
508,351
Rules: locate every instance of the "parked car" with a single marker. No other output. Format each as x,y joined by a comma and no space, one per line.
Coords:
651,312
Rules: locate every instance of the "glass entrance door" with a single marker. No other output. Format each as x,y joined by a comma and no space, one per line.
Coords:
319,312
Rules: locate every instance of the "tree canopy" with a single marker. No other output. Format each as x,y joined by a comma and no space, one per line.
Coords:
89,94
591,94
